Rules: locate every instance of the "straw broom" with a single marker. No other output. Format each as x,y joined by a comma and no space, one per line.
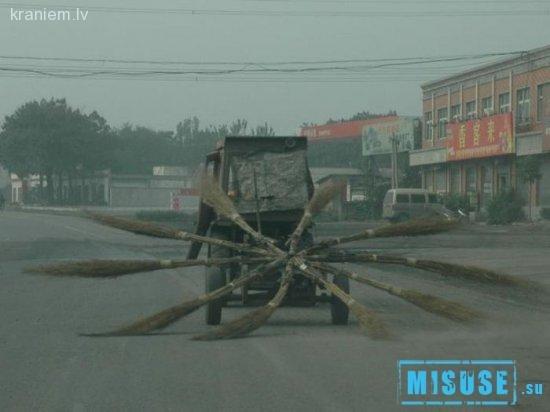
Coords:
443,268
168,316
148,229
322,196
368,320
252,320
116,268
413,228
446,308
214,196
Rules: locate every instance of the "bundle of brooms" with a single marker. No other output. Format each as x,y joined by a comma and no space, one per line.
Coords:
310,262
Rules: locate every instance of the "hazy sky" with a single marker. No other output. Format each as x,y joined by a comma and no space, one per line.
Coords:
285,105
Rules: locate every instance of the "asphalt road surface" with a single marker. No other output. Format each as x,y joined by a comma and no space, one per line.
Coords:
298,362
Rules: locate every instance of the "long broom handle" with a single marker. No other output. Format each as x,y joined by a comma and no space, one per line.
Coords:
443,268
252,320
354,276
368,319
403,229
220,242
267,242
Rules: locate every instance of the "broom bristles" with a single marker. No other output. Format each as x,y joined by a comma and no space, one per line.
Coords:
241,326
157,321
443,268
468,272
97,268
134,226
251,321
323,195
116,268
443,307
212,194
168,316
417,227
369,322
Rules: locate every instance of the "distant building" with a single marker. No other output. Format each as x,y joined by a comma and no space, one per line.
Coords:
115,190
478,123
338,144
402,134
353,188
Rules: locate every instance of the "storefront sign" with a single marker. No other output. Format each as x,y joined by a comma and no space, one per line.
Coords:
377,138
485,137
427,157
340,130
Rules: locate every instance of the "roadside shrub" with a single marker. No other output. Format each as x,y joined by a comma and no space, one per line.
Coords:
504,208
545,213
455,201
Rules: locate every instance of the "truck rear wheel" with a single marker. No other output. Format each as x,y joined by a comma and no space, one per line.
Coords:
216,277
338,310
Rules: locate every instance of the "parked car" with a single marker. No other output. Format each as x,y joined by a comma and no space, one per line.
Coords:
403,204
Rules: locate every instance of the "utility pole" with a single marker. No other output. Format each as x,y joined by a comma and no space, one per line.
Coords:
394,163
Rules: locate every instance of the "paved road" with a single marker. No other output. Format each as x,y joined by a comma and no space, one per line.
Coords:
298,362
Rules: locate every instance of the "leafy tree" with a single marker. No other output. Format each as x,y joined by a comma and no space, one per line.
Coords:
197,141
505,208
263,130
51,138
137,149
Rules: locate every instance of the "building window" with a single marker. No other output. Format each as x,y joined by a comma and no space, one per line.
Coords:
471,111
504,102
471,185
455,181
542,89
487,106
455,112
503,178
442,123
523,106
429,180
429,125
440,180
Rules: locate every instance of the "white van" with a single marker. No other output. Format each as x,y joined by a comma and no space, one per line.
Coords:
404,204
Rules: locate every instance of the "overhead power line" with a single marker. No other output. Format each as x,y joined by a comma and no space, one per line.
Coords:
407,60
419,68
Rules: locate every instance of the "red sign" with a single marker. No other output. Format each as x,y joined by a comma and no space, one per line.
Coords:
485,137
341,130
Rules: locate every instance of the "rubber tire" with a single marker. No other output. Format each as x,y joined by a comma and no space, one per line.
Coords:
339,312
216,278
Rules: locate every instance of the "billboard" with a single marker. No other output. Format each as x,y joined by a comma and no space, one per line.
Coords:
340,130
377,137
485,137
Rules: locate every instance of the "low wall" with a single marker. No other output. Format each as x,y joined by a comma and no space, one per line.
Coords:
139,197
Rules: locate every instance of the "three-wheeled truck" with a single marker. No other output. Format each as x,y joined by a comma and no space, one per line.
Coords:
269,181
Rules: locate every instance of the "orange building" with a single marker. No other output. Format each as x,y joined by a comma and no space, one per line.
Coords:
477,124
